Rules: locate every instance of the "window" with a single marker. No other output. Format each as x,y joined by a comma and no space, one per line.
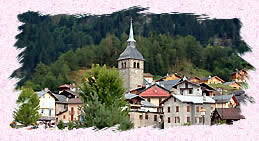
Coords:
125,65
148,99
169,120
138,65
186,85
197,109
134,64
42,111
177,119
177,109
64,116
49,112
190,91
174,99
200,119
181,92
146,117
188,108
140,117
168,109
121,64
155,117
188,119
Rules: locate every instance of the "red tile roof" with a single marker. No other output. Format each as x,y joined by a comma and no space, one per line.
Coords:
155,91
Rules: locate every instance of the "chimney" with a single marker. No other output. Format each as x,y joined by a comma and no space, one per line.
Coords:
204,97
46,89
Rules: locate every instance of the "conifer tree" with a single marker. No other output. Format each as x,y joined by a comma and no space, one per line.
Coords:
28,103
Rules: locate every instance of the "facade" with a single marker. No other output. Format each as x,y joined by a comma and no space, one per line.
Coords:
148,77
224,101
239,76
131,64
233,84
155,94
145,119
47,106
212,80
182,109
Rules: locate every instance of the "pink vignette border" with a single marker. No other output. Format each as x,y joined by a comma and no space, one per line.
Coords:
246,11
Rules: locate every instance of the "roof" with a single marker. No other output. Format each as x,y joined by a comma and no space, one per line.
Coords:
147,104
130,96
177,75
229,83
207,86
65,86
148,75
223,98
131,52
155,91
169,83
229,113
61,98
207,78
42,92
74,101
191,99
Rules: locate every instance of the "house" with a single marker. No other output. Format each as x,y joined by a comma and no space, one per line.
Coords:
67,87
68,106
195,79
227,114
170,77
233,84
148,77
142,113
47,106
182,109
207,90
225,101
239,76
155,94
212,80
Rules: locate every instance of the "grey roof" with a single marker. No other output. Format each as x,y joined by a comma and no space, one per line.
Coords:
206,78
169,83
147,104
61,98
131,52
41,93
130,96
194,99
222,98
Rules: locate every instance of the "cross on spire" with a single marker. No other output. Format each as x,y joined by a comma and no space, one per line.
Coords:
131,37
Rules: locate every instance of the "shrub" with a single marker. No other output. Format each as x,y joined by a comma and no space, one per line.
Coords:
187,124
61,125
70,125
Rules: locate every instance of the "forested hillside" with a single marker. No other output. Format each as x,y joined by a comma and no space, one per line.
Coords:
56,45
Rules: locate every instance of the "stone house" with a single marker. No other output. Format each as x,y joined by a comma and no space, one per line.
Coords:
181,109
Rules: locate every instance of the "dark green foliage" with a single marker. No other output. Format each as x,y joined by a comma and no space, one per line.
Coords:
103,95
45,38
28,103
70,125
61,125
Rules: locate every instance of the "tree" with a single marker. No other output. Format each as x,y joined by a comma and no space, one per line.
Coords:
104,101
28,103
61,125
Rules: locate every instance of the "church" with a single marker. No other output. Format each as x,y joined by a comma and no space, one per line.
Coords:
131,64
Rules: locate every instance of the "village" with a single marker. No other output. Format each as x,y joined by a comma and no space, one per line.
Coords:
173,100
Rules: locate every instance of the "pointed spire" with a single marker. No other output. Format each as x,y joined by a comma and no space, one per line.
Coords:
131,37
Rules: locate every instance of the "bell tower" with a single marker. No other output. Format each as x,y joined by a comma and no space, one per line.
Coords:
131,64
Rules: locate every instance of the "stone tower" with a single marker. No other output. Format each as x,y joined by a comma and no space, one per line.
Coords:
131,64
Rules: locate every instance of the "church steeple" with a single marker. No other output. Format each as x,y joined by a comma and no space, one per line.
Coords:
131,36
